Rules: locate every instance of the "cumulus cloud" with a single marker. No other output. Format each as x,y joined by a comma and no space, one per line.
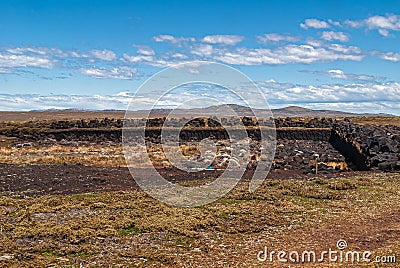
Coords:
104,54
172,39
334,23
330,35
384,24
274,37
13,59
147,51
137,58
123,72
148,60
339,74
83,62
223,39
314,23
30,56
179,56
384,32
366,107
345,49
5,71
314,42
389,22
249,56
288,54
43,51
17,60
370,97
26,102
391,56
76,54
354,24
202,50
360,96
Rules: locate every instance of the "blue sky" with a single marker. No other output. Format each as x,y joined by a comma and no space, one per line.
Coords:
341,55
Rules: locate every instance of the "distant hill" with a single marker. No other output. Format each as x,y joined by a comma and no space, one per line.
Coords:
226,110
222,110
296,111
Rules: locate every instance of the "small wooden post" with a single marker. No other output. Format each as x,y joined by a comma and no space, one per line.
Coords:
316,163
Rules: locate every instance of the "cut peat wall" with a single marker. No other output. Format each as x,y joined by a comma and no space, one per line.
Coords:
346,148
366,147
186,134
349,151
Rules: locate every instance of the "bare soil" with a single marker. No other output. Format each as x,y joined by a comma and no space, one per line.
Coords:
35,180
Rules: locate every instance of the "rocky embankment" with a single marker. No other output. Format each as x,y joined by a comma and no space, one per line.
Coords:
379,146
340,145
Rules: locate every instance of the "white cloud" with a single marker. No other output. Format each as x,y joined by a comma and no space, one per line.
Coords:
172,39
251,56
78,55
335,73
179,56
161,62
361,97
390,22
315,43
13,60
384,32
391,56
104,54
334,23
345,49
314,23
40,57
202,50
288,54
374,91
367,107
43,57
26,102
354,24
381,23
43,51
330,35
5,71
123,72
138,58
147,51
274,37
223,39
150,60
367,97
125,94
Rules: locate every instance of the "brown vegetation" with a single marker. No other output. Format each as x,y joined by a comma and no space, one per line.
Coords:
131,229
104,220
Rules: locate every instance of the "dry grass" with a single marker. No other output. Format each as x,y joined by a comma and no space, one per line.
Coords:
376,120
59,154
132,229
88,155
